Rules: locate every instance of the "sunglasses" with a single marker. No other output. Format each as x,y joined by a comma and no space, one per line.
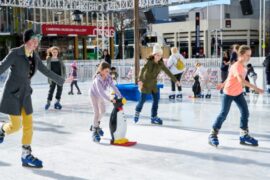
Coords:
37,36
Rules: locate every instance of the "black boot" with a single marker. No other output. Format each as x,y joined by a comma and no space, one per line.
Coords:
2,134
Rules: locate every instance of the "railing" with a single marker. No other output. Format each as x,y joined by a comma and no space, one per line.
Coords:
125,69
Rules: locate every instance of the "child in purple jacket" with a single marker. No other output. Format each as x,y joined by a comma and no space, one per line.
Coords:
74,77
102,81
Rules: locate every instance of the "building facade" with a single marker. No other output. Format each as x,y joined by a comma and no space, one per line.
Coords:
220,27
80,35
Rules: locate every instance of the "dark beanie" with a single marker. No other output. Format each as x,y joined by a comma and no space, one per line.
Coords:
27,35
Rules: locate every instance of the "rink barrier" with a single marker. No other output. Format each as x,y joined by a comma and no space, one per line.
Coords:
125,69
131,91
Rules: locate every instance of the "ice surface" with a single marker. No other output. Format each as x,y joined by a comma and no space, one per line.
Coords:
177,150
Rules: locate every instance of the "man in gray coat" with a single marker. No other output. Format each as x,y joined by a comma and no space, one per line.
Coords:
23,62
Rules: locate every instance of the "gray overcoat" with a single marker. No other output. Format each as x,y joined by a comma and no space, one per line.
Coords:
17,90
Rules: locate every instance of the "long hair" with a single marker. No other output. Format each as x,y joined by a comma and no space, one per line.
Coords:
150,58
105,50
49,51
243,49
103,65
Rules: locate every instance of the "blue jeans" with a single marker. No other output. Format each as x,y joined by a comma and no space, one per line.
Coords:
154,104
226,105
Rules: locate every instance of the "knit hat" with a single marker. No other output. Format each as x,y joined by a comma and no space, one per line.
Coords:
29,34
157,49
74,64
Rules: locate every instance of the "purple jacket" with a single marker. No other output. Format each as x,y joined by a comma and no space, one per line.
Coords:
74,73
100,86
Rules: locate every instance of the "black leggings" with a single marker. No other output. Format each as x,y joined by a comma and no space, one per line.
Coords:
268,78
224,75
178,77
74,82
247,89
51,91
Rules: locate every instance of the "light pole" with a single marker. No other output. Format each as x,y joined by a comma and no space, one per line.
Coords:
208,49
216,44
179,37
217,41
136,40
260,30
263,28
221,26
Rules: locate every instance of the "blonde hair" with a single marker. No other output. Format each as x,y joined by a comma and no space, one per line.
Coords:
198,64
174,50
243,49
236,47
49,51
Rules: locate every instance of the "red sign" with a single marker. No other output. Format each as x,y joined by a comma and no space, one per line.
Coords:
60,29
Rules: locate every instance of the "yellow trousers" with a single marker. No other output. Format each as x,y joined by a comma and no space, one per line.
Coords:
15,125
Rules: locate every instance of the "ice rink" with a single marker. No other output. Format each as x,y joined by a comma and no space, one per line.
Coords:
178,150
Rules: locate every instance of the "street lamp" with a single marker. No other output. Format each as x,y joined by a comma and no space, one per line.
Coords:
262,29
179,37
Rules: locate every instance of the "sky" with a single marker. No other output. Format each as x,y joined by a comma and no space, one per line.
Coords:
197,5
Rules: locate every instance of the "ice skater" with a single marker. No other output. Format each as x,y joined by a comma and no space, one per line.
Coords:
102,81
106,56
55,64
233,92
233,55
224,68
114,74
177,68
266,64
16,99
148,83
201,71
74,79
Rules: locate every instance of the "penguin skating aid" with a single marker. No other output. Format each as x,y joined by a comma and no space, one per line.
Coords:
118,124
196,88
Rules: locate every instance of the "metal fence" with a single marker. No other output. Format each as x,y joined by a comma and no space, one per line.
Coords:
125,69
